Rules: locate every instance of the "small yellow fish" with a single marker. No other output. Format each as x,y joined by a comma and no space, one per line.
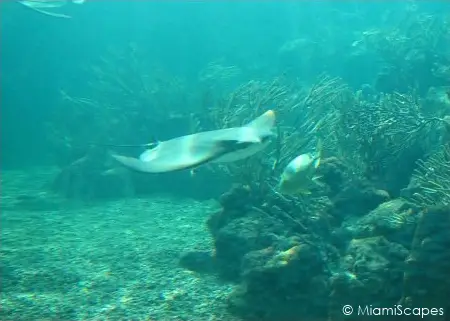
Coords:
300,174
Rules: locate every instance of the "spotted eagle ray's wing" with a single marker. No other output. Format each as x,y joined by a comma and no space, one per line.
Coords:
185,152
194,150
259,131
263,123
52,14
39,6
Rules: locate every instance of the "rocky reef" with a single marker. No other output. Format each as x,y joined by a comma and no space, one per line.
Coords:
352,245
287,267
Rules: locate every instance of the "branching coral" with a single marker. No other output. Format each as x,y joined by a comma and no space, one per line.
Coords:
127,79
387,128
215,72
125,99
216,80
431,196
372,135
247,102
414,52
432,180
415,35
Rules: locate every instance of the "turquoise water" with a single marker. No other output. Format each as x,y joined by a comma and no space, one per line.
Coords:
360,90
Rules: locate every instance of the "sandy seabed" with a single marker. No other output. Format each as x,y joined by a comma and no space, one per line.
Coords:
115,260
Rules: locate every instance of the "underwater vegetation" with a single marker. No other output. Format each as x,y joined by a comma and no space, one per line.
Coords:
373,227
366,235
